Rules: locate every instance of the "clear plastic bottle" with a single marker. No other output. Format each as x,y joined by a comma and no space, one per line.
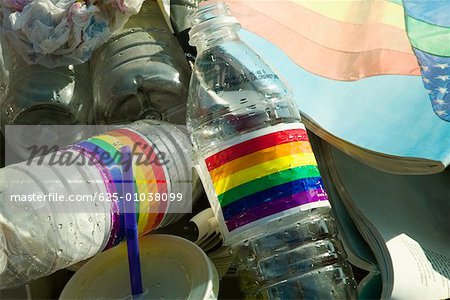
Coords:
39,237
141,72
39,95
259,171
180,11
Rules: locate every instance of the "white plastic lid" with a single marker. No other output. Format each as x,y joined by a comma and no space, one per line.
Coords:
172,268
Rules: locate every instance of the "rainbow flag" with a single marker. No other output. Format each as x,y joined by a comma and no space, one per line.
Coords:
347,40
264,173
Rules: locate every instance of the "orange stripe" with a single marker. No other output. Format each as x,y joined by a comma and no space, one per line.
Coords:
151,187
256,158
326,62
324,31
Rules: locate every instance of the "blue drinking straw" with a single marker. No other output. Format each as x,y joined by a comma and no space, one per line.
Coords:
131,231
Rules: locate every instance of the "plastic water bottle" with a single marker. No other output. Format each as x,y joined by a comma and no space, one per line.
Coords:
38,95
65,207
141,72
180,11
259,171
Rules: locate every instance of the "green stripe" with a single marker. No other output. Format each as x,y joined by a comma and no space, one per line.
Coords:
267,182
107,147
399,2
429,38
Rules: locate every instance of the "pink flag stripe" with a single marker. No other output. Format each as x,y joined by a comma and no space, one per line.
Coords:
323,30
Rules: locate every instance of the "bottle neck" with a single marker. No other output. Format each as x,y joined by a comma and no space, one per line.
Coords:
212,24
210,38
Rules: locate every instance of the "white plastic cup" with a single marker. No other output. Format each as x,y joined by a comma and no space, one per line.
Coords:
172,268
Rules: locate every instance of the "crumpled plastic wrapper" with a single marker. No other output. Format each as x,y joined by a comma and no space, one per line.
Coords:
62,32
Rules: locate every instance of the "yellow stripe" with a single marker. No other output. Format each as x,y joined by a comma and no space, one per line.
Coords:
358,11
264,169
259,157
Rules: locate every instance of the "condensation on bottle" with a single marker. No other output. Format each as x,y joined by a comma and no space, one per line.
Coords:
54,215
258,169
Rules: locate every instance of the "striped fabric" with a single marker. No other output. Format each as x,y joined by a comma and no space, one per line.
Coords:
348,40
341,40
265,175
428,28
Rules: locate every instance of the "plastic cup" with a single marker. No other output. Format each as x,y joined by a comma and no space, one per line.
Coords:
172,268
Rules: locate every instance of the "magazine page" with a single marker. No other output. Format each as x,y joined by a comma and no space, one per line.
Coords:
411,215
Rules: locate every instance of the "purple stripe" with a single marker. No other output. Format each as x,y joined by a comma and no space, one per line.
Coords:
274,207
110,189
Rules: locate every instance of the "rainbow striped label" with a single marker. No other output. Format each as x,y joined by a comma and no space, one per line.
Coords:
265,173
148,178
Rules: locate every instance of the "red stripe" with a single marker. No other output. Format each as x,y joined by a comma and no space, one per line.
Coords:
254,145
157,170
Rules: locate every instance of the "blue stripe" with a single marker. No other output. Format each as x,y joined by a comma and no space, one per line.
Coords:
116,174
432,12
271,194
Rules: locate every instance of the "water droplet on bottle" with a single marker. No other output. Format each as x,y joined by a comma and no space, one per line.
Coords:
9,110
49,218
60,226
246,243
71,224
90,219
59,252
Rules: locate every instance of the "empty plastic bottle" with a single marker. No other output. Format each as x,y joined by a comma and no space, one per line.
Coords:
36,95
180,11
60,209
141,72
259,171
39,95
